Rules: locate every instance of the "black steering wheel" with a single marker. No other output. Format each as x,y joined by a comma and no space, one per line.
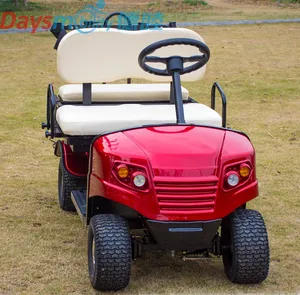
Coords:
174,63
120,14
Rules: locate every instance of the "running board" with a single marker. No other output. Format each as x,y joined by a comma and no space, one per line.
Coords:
79,201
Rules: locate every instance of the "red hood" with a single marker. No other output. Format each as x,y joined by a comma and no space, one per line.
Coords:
179,150
188,164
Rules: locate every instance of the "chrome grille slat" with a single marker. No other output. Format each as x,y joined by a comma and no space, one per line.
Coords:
179,196
187,197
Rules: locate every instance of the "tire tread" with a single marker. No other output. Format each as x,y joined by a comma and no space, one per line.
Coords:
250,247
113,252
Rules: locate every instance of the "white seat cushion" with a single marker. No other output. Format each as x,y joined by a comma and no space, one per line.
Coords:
92,120
120,92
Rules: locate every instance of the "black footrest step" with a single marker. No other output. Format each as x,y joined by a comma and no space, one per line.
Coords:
79,201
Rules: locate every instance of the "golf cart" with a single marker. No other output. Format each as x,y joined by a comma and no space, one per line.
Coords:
146,166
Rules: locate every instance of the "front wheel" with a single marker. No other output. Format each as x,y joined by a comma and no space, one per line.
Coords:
109,252
245,247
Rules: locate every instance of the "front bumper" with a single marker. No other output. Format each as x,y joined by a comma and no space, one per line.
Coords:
183,236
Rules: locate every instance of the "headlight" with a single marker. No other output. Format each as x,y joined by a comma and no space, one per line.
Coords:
131,175
232,178
139,179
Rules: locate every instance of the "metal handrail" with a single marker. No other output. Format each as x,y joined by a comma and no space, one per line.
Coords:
224,101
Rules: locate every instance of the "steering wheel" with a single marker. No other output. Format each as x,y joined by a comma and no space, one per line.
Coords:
174,63
114,14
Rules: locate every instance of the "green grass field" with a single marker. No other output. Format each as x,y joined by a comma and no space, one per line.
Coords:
43,250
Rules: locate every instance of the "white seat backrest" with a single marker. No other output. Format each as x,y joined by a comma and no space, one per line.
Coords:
108,55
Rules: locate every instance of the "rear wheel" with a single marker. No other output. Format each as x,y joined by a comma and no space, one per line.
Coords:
109,252
245,247
67,183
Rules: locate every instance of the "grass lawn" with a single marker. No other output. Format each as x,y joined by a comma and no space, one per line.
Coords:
43,250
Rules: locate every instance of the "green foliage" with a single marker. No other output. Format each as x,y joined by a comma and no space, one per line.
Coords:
195,2
11,6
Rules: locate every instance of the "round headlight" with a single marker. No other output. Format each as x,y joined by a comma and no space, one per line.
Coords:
139,179
233,178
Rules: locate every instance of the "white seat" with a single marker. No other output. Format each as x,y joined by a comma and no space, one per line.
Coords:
92,120
120,92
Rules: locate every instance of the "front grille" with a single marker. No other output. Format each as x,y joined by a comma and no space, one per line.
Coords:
180,196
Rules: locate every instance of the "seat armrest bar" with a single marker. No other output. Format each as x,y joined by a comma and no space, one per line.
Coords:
50,94
52,101
224,101
52,104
